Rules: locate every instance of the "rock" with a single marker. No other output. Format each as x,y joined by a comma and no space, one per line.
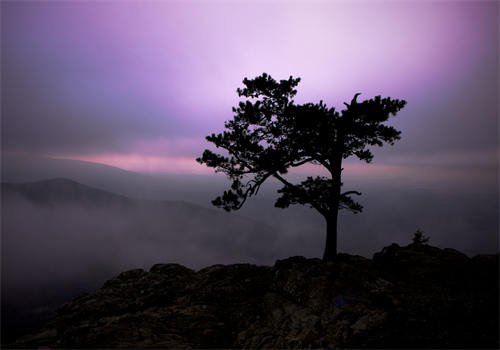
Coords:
369,321
413,296
423,264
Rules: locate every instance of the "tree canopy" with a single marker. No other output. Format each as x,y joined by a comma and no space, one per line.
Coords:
270,134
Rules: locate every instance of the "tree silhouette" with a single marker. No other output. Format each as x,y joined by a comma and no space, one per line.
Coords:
271,134
419,238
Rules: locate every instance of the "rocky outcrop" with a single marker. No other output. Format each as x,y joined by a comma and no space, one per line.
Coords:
413,296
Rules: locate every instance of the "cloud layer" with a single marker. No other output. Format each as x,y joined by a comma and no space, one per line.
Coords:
105,78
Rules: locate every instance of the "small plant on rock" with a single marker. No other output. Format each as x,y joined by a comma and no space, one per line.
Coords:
419,238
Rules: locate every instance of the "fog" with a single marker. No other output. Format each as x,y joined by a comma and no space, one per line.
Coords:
74,244
53,251
44,246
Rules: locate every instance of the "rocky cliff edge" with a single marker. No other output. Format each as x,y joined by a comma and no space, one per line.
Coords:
412,296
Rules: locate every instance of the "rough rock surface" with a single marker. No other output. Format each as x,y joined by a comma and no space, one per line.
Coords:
413,296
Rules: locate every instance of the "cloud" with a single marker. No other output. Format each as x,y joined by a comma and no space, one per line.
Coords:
136,80
145,163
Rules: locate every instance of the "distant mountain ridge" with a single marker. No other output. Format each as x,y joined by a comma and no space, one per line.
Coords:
64,192
26,168
62,237
473,217
60,190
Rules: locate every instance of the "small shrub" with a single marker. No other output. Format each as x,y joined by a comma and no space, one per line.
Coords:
419,238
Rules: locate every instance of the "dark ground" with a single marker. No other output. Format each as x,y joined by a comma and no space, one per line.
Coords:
416,296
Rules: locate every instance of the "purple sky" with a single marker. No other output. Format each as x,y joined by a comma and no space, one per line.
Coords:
139,84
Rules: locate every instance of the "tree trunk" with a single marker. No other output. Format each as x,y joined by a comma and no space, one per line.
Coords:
333,212
331,237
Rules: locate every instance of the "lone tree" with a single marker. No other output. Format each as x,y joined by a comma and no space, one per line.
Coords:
271,134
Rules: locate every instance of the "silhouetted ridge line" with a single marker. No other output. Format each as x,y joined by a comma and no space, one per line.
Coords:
61,190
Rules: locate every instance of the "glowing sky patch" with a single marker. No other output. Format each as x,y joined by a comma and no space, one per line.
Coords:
145,163
152,79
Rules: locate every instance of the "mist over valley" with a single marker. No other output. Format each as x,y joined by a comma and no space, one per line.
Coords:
68,226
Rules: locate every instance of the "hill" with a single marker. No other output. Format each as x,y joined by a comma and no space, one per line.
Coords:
193,188
413,296
61,191
463,217
61,238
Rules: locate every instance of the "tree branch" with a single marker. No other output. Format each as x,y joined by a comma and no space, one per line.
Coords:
351,192
302,162
313,204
